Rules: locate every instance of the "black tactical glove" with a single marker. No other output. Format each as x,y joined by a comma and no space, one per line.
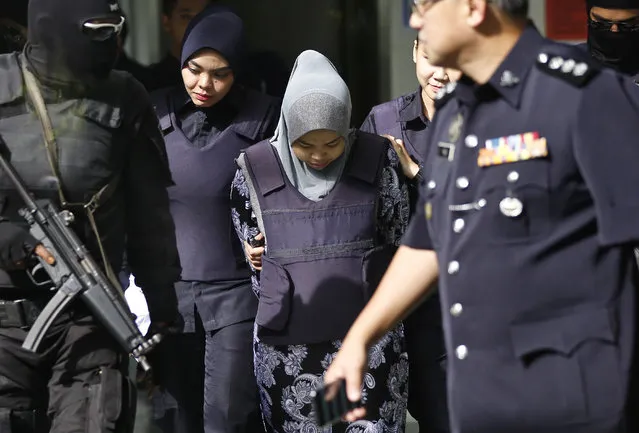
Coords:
16,244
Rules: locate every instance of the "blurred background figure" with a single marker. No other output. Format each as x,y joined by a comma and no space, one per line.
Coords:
176,16
126,63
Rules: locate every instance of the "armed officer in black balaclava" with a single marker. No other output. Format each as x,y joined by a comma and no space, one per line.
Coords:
613,34
106,152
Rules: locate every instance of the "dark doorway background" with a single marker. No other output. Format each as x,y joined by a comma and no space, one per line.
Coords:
343,30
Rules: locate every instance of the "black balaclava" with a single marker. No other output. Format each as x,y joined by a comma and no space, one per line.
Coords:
619,50
58,48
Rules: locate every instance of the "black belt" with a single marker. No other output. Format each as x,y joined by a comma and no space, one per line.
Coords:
19,313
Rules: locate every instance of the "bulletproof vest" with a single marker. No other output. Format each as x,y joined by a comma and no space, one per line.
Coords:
91,152
322,259
200,199
386,118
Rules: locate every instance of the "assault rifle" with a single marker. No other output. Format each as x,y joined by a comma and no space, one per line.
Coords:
74,273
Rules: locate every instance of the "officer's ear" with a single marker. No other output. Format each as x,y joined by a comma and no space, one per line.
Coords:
476,12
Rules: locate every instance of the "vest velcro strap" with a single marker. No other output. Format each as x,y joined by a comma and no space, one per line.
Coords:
367,157
265,167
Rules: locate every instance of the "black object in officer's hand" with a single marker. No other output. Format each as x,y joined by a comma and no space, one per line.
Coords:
74,273
330,403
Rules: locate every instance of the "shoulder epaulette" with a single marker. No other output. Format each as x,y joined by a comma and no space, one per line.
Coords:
405,100
444,95
576,70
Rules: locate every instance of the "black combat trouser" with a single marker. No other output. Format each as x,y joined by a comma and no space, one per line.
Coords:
76,383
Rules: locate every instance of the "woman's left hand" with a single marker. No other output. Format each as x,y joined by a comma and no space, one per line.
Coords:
409,167
254,253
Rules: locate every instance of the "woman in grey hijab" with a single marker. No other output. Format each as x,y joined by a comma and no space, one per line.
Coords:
331,204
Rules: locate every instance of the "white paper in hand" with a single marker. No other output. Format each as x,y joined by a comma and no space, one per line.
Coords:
137,303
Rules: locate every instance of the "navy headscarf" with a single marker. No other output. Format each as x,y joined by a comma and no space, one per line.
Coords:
216,28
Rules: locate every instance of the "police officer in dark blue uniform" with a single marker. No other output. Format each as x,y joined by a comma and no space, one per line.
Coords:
613,34
107,164
206,122
529,219
406,120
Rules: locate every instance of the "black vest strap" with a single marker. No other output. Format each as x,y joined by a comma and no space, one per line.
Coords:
265,166
162,110
367,157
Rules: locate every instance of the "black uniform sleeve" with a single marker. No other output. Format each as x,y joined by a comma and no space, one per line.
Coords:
151,246
606,148
417,235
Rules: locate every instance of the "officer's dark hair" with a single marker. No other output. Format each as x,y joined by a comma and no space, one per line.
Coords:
168,6
514,8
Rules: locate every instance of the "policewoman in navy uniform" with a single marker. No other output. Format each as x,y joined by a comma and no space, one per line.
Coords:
206,122
405,121
528,218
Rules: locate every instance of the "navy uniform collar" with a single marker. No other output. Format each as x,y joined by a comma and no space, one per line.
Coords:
507,81
412,107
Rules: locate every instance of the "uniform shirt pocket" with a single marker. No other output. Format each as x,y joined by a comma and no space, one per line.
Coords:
517,201
568,367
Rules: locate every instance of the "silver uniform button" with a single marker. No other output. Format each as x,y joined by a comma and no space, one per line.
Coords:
453,267
462,183
456,310
568,66
471,141
542,58
513,177
461,352
481,203
555,63
459,225
512,207
580,69
431,184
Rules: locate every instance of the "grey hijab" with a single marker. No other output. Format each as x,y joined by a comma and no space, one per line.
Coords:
316,97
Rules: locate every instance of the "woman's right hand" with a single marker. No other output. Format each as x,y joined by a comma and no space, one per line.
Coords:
350,364
409,167
254,254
